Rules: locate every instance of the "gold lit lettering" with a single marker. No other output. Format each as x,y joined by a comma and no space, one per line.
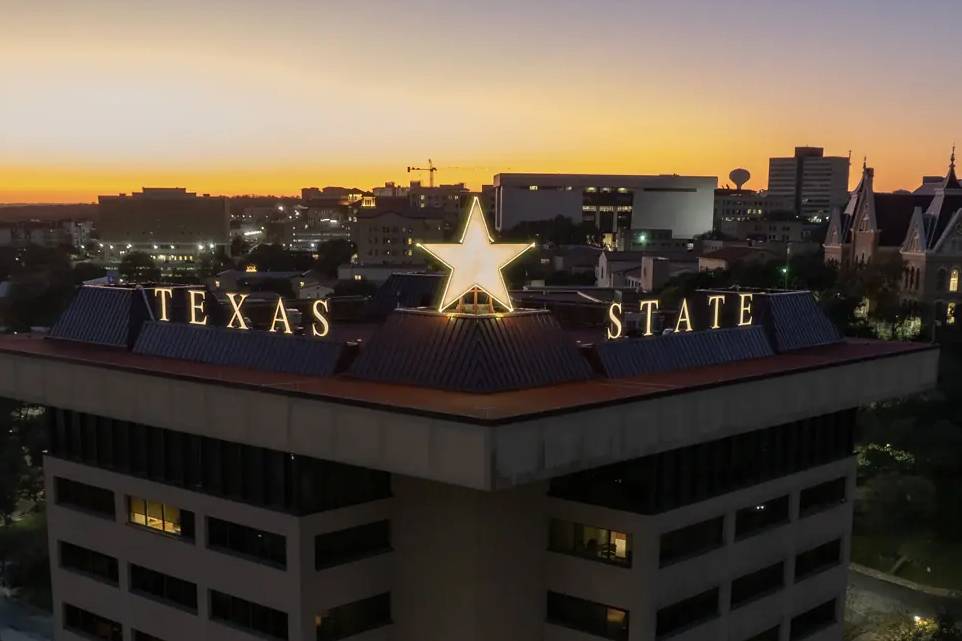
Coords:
235,305
744,309
164,294
280,316
196,306
648,306
715,302
683,316
320,318
614,328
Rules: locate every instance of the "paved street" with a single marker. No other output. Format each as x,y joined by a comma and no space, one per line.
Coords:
21,623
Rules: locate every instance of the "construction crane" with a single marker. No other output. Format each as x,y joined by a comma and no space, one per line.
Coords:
431,169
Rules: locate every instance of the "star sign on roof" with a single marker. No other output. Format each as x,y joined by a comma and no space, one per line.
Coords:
475,261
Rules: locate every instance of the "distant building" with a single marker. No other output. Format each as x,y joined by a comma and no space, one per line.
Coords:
46,233
812,183
738,204
451,199
727,257
390,237
616,205
174,226
923,230
780,231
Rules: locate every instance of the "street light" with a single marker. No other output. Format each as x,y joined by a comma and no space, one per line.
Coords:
784,271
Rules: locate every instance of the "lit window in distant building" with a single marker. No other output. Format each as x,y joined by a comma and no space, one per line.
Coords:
533,187
950,314
161,517
954,281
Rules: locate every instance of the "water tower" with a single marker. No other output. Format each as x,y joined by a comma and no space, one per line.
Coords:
739,177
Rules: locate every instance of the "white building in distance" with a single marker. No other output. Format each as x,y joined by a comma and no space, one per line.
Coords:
683,204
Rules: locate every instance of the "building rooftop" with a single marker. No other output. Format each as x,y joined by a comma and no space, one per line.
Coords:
495,408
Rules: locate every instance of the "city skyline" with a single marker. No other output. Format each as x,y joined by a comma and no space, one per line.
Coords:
263,100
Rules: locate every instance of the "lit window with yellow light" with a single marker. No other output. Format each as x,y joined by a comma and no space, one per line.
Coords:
954,280
161,517
950,314
596,543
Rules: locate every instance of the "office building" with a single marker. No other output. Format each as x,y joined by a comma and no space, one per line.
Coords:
390,237
174,226
810,182
469,470
616,205
461,474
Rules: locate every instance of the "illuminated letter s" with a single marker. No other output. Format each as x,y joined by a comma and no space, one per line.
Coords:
320,318
614,328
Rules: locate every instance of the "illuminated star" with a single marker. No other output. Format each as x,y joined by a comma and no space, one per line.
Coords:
475,261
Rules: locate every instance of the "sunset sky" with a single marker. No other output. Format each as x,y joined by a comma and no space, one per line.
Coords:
251,96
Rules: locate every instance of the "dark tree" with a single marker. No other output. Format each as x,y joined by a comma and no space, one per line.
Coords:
138,267
332,253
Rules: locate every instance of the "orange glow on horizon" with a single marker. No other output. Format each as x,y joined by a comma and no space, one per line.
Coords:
104,97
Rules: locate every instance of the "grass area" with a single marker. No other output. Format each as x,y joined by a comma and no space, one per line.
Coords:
877,552
23,543
928,562
932,563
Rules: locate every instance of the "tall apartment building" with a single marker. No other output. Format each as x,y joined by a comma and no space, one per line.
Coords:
615,204
390,237
174,226
812,183
458,476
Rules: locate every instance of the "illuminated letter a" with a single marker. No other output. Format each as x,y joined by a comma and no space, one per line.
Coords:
280,316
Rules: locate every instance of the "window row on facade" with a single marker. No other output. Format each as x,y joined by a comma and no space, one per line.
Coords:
259,476
747,588
330,548
705,536
332,624
672,479
612,623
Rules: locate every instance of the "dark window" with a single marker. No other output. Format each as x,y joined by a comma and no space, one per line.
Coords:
90,625
143,636
353,618
161,586
810,622
822,496
588,616
85,497
247,542
267,478
688,613
247,615
759,583
691,540
73,557
351,544
672,479
161,517
818,559
771,634
756,518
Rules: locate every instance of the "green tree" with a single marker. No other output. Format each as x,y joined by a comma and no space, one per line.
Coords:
211,264
138,267
331,254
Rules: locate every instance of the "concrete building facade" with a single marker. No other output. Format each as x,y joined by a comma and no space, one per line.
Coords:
174,226
377,502
812,183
